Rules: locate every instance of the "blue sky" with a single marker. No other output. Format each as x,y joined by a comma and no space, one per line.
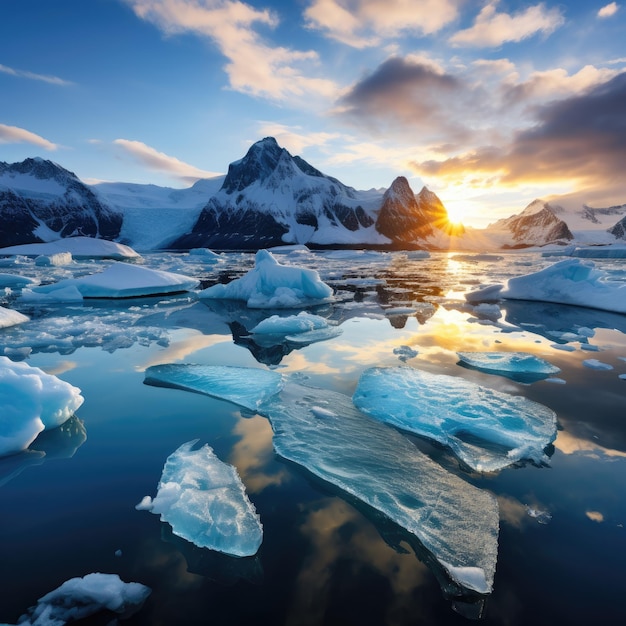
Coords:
489,103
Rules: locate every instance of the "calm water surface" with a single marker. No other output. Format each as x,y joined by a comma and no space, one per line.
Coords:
69,503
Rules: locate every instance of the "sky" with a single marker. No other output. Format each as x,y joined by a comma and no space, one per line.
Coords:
489,103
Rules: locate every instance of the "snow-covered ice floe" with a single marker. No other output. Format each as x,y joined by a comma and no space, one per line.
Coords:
9,317
322,431
119,280
53,260
301,328
204,501
79,598
78,247
14,281
567,282
517,365
272,285
30,402
487,429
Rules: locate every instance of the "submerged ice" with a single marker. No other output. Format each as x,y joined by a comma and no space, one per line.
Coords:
486,429
322,431
30,402
204,501
272,285
513,364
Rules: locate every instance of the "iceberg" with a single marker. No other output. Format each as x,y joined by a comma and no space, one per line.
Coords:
31,401
13,281
272,285
9,317
50,260
520,366
78,247
204,501
322,431
486,429
290,325
570,281
79,598
119,280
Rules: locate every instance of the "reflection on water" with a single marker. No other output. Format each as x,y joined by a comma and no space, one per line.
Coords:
323,560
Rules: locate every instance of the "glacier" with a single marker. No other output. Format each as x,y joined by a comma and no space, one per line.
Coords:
322,431
487,429
273,285
204,501
119,280
79,598
520,366
31,401
570,281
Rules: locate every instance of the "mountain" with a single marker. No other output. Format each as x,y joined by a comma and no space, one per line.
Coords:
42,201
619,230
538,224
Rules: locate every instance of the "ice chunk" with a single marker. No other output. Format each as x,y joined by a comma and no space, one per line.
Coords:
9,317
594,364
322,431
517,365
405,352
486,429
567,282
79,598
207,255
13,281
291,325
243,386
119,280
31,401
59,258
272,285
78,247
204,501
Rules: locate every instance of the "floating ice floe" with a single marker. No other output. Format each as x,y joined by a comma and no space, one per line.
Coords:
79,598
272,285
30,402
567,282
204,501
322,431
301,328
207,255
486,429
9,317
13,281
49,260
78,247
517,365
119,280
594,364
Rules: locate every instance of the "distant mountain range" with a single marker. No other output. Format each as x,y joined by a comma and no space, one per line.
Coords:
269,198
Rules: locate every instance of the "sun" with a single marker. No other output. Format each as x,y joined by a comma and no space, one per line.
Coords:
456,213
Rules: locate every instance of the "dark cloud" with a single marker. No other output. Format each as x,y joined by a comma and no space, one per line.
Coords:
581,137
406,95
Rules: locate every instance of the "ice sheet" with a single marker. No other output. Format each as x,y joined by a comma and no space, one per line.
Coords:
204,501
488,430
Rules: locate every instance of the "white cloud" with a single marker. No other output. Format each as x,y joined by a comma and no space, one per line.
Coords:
492,29
254,66
608,10
14,134
363,23
53,80
155,160
293,139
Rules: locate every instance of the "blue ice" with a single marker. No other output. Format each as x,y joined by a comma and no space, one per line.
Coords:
486,429
322,431
204,501
512,364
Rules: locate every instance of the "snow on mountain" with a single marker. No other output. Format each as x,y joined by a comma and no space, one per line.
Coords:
154,216
42,201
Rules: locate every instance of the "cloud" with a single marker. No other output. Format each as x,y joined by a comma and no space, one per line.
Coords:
294,140
579,139
53,80
14,134
492,29
254,66
363,23
161,162
608,10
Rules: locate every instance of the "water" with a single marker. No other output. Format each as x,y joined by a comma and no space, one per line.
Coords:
324,559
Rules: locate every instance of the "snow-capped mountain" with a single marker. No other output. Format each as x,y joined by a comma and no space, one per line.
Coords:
537,225
42,201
